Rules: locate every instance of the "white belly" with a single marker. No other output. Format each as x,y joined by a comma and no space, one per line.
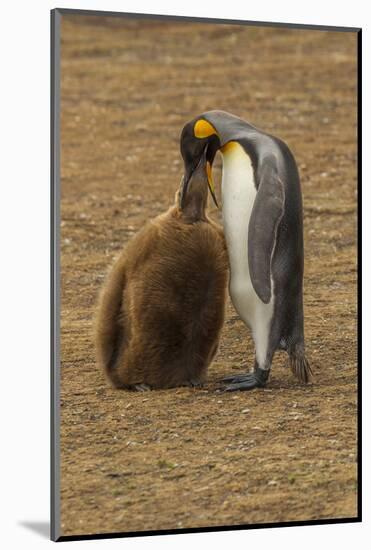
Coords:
238,194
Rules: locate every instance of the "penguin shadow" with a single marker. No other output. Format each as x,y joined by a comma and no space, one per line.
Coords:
291,384
283,380
41,528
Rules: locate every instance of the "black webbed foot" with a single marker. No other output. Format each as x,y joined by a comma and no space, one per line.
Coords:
245,382
195,383
234,378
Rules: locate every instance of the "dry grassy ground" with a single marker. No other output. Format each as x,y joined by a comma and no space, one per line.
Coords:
188,457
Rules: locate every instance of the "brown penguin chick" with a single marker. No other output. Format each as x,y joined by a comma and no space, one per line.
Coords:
161,310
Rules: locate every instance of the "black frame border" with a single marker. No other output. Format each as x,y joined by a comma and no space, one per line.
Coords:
56,15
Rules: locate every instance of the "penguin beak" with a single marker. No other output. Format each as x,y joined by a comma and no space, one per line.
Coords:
211,183
206,157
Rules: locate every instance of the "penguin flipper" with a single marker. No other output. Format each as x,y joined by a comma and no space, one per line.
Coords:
265,217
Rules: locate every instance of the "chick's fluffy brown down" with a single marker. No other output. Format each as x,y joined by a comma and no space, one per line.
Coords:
161,309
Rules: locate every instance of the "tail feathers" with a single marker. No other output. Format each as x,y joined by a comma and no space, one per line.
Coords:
300,367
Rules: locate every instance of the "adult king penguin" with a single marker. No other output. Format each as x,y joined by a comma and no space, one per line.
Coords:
263,226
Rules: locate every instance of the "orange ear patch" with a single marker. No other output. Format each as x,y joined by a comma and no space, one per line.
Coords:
203,129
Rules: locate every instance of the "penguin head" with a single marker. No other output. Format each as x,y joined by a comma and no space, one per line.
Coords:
199,141
192,197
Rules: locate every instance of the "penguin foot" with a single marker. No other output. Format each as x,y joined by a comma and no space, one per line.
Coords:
194,383
244,382
234,378
141,387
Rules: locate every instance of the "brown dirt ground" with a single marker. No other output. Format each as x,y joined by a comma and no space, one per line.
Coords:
189,457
